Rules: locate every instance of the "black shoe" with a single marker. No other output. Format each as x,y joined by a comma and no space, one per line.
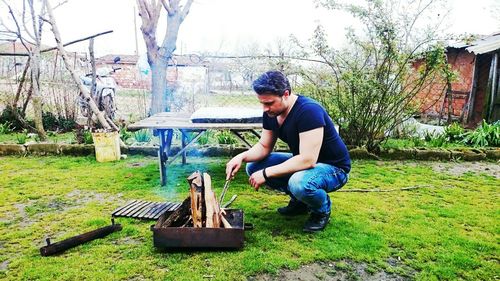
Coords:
316,222
294,208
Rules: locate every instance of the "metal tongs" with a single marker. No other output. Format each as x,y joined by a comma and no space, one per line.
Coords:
224,189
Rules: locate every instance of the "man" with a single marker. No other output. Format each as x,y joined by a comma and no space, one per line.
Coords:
319,162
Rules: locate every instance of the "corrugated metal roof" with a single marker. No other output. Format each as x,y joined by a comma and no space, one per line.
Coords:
485,45
456,44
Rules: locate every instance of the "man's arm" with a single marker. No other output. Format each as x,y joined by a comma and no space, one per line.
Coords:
310,146
257,152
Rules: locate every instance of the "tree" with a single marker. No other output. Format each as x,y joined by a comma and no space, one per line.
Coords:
370,87
29,32
158,57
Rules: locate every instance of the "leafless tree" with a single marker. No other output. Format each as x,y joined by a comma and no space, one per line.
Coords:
159,57
28,30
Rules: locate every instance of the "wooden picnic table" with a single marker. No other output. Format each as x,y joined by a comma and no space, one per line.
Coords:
163,125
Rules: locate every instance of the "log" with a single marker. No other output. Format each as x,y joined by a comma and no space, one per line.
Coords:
74,241
179,216
196,192
212,206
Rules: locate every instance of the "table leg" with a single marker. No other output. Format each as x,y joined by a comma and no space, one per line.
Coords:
184,139
165,144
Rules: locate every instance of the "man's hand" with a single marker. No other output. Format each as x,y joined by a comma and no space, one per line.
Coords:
257,179
233,166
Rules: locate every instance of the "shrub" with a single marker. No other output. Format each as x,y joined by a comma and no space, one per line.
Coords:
21,138
8,116
205,138
484,135
87,137
5,128
369,87
454,132
66,124
125,135
225,137
49,121
54,123
437,141
83,136
143,135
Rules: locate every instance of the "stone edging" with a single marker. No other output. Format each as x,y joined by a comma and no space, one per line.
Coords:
41,149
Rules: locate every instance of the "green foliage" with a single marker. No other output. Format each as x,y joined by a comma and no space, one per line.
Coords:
87,137
49,121
225,137
125,135
484,135
21,138
454,132
370,87
5,128
8,116
205,138
437,140
66,124
143,135
83,136
57,123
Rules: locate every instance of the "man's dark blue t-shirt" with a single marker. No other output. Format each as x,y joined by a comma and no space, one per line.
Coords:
305,115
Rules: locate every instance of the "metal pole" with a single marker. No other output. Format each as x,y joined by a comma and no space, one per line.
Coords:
135,33
493,77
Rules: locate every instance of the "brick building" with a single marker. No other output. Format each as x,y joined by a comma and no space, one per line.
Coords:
183,70
474,94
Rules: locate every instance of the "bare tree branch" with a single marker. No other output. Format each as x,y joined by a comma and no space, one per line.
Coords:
185,10
166,6
83,90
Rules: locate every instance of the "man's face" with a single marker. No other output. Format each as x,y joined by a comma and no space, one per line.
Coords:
273,105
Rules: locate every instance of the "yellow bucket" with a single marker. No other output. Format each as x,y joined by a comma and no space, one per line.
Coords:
107,146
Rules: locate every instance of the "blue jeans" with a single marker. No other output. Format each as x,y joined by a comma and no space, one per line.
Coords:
308,186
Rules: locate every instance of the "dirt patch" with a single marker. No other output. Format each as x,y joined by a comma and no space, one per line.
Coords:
138,164
458,169
24,220
129,241
83,197
330,271
73,199
4,265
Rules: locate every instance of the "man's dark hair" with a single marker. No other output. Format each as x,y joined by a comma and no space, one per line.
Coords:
273,82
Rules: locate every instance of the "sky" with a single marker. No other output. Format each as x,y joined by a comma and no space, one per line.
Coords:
228,25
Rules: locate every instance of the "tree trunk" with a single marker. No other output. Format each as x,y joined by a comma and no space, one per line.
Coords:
36,96
159,87
159,57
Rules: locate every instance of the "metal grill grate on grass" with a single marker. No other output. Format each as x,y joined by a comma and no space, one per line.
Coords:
145,209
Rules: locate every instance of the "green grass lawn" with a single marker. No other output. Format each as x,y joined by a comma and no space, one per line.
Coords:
13,138
446,230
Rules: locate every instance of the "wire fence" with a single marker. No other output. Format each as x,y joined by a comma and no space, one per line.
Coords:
197,81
